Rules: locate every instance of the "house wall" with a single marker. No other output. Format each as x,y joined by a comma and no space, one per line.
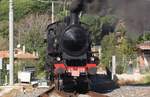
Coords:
144,59
147,58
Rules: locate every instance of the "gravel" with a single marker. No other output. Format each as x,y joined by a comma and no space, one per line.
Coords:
35,93
123,91
130,91
103,86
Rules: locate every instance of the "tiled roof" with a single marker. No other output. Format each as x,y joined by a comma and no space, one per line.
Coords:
144,46
18,54
26,56
4,54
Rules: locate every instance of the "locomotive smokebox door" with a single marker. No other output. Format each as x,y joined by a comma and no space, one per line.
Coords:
74,40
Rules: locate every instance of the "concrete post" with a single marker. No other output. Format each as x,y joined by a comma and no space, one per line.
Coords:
1,67
113,67
11,50
52,12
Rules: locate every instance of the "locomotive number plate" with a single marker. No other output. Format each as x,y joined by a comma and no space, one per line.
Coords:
75,73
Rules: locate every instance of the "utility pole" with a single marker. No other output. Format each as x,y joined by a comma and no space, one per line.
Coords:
52,12
52,6
11,49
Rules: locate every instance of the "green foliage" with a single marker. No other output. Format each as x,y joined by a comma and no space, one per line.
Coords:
3,43
31,31
144,37
61,14
3,73
117,44
119,69
42,58
28,27
22,8
96,23
3,35
109,20
122,50
108,48
40,7
31,42
4,10
4,29
147,79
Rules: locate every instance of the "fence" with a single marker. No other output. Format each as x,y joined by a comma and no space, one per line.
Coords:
122,64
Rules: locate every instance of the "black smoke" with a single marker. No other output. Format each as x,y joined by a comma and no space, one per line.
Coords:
77,6
135,13
89,6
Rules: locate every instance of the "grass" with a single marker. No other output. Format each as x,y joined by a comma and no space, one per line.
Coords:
146,79
41,75
141,80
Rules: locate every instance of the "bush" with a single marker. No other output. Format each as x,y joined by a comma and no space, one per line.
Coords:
119,69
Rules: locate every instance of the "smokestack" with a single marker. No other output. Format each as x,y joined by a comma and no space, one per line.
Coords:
74,18
75,9
77,6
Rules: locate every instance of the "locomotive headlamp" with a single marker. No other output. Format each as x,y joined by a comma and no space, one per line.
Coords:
92,59
58,58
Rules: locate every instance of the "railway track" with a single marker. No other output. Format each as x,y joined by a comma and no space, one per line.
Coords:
55,93
99,84
47,92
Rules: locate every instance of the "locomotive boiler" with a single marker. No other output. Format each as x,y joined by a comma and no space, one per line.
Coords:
69,49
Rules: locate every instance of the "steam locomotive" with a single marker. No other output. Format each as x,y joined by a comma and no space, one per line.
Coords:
69,54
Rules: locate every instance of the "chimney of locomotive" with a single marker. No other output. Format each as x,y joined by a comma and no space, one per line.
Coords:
74,18
75,9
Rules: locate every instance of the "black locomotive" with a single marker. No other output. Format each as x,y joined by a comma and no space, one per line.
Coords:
69,49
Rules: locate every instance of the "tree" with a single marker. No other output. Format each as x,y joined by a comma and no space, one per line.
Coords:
108,48
23,8
97,25
94,26
31,32
143,37
3,43
4,29
122,50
